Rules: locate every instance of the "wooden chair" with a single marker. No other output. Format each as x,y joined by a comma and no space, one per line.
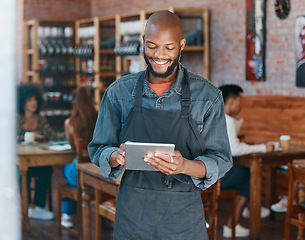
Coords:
73,193
105,208
230,194
209,200
296,175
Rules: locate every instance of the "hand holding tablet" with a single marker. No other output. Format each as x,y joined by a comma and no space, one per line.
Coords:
135,153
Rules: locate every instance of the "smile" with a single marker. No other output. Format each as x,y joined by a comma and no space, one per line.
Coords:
159,62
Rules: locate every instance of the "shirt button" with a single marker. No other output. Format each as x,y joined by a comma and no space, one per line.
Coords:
159,101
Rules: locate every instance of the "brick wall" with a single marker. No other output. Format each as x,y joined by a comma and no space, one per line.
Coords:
227,29
62,10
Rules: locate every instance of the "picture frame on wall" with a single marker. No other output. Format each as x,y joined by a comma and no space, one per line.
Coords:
300,50
255,40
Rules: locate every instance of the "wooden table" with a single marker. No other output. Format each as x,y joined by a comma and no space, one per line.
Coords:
268,162
91,176
37,155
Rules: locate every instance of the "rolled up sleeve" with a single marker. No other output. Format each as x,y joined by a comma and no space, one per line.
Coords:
217,157
105,138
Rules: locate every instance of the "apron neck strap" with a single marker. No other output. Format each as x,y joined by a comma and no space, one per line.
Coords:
185,100
139,90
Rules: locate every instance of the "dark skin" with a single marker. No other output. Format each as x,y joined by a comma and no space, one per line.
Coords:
161,50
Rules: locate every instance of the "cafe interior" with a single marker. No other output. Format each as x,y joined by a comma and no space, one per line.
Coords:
62,45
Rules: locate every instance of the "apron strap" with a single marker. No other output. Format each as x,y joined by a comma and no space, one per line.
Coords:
186,99
139,90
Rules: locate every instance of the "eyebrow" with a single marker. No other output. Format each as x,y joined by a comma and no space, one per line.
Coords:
156,44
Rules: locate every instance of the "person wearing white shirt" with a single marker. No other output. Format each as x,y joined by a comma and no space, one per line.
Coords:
238,177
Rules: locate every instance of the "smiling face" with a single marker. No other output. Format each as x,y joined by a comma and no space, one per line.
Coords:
162,46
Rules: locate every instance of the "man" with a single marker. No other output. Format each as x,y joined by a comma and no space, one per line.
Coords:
238,177
163,104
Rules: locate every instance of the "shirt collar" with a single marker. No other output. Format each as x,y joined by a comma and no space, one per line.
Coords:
177,84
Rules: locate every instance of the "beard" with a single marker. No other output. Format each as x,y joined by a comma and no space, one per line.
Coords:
169,70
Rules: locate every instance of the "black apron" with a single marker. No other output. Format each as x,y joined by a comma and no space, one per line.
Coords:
151,205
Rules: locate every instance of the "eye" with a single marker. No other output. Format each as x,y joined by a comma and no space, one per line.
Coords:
170,48
150,46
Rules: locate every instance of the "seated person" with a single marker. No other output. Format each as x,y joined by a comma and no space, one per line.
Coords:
79,125
29,104
238,177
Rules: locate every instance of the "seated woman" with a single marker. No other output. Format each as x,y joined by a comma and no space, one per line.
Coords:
80,125
238,177
29,104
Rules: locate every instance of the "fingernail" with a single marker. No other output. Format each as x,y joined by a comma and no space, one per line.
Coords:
146,159
149,155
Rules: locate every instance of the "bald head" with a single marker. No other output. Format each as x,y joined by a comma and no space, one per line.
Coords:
163,44
164,20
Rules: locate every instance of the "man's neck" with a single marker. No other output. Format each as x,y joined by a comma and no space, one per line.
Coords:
157,80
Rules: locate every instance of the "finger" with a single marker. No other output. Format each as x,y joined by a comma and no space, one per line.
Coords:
122,146
164,156
158,162
120,159
156,165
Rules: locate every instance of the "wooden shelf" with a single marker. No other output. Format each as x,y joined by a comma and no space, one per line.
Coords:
86,21
194,48
107,51
31,62
108,74
29,51
109,26
30,73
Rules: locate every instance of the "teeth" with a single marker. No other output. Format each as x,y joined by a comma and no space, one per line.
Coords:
160,62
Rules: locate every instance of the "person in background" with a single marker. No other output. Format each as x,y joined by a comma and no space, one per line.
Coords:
79,125
238,177
30,101
163,104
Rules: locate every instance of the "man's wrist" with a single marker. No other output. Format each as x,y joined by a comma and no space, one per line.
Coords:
112,160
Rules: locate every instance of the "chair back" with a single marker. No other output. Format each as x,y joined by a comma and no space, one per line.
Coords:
296,176
82,151
66,190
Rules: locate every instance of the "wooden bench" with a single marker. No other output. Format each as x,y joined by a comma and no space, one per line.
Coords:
266,118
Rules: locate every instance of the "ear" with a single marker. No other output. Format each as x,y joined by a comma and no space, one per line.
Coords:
182,43
143,37
229,102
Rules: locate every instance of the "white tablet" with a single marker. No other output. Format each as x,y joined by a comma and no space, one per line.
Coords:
135,152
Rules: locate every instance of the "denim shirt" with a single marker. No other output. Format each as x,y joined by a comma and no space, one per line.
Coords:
207,110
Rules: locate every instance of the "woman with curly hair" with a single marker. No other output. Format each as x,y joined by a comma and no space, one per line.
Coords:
80,125
30,101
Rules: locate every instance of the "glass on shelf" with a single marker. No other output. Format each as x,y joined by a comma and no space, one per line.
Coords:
68,32
129,47
55,41
86,47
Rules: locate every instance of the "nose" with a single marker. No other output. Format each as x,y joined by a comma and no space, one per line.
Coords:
160,52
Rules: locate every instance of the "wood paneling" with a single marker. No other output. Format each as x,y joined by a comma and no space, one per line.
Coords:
266,118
